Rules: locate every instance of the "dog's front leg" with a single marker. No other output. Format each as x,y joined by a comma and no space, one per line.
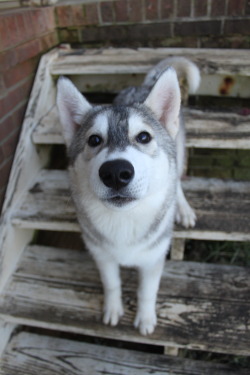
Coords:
110,276
150,276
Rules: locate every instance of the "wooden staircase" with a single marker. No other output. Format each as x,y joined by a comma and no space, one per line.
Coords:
49,294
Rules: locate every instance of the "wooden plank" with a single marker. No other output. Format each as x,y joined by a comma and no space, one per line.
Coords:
27,162
50,355
222,207
216,66
39,354
221,61
200,306
205,129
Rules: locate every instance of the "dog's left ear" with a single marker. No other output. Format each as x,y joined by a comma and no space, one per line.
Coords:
72,107
165,99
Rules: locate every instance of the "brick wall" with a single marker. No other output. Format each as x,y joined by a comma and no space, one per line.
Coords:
27,33
166,23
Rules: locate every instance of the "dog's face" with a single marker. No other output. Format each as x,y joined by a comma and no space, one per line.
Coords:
121,154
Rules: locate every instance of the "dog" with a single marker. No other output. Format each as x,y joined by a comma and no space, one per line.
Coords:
124,177
189,80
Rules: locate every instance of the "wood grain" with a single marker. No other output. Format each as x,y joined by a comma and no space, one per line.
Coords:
200,306
42,355
222,207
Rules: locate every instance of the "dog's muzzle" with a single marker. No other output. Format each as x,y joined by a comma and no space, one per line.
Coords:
116,174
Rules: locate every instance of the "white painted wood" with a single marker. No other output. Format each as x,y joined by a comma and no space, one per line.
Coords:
48,205
177,249
27,162
215,65
6,330
60,289
204,129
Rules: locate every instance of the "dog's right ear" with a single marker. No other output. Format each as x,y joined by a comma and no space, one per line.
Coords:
72,107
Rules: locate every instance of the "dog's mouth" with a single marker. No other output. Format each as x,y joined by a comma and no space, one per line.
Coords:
119,201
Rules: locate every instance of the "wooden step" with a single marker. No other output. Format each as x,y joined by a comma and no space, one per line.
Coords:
30,353
222,207
200,306
112,69
205,129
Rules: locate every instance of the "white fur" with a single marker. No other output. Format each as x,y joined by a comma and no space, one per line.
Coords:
164,100
127,228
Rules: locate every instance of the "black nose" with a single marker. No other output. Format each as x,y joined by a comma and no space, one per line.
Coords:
117,173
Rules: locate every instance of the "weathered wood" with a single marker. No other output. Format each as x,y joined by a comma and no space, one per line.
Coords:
200,306
222,207
6,330
38,354
204,129
177,249
131,65
27,162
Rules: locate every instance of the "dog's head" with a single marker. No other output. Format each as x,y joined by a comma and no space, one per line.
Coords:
121,154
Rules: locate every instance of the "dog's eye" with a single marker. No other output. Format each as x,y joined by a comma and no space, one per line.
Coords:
143,137
94,140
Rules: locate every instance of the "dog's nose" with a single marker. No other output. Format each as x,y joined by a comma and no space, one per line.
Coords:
117,173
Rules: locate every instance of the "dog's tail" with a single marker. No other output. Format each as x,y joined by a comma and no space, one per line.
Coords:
186,70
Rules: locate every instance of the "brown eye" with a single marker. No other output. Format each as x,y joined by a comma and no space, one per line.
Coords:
94,140
143,137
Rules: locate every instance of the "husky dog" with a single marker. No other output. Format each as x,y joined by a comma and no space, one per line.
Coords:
189,79
123,177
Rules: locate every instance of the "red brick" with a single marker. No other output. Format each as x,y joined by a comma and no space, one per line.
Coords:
39,21
237,26
200,8
48,41
236,7
78,16
135,10
167,8
23,29
218,8
19,54
12,122
64,15
49,18
4,173
2,158
9,32
18,115
183,8
151,9
91,14
197,28
107,11
19,72
121,11
6,127
28,50
15,97
9,145
2,86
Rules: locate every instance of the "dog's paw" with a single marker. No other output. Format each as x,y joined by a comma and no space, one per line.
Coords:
112,313
185,216
146,322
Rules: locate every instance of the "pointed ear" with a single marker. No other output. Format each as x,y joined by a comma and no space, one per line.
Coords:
164,100
72,107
